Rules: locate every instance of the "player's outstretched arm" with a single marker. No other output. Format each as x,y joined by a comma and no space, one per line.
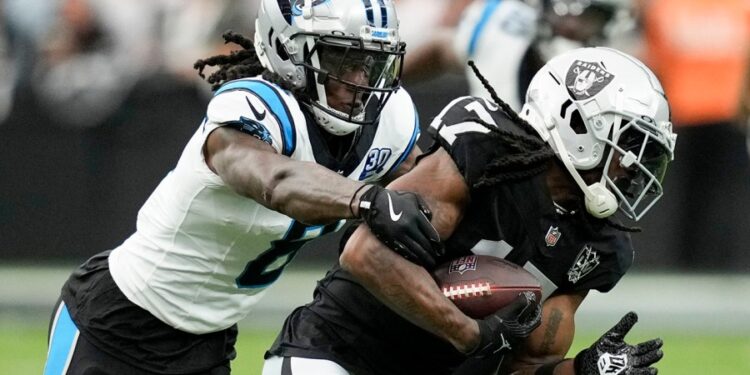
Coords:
609,354
313,194
302,190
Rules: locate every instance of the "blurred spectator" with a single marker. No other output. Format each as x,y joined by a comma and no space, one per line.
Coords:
427,28
92,58
743,117
510,40
7,69
699,50
191,30
27,24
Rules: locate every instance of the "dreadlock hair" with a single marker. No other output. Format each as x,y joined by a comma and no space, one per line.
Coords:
238,64
529,153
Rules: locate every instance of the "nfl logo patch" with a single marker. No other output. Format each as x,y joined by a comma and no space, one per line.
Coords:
463,264
553,235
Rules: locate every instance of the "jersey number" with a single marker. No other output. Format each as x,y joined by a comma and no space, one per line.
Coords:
376,160
259,271
451,131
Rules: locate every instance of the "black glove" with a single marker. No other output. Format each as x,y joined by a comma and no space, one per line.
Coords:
402,222
612,355
507,327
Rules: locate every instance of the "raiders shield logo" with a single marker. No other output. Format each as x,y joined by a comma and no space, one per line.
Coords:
585,262
586,79
463,264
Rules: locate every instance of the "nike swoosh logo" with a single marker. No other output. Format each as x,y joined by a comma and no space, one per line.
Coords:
258,116
394,216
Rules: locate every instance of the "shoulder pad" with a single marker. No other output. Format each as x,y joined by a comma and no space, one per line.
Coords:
258,108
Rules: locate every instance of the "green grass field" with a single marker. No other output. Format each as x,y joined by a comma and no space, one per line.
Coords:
23,350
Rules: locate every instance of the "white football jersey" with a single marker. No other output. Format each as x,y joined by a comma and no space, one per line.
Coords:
203,255
496,35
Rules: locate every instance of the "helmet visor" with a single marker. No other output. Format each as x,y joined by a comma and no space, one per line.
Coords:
357,81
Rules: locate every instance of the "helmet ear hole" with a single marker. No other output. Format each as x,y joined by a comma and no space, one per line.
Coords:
280,50
577,124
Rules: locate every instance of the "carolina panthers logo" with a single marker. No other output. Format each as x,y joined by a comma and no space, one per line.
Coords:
298,4
586,79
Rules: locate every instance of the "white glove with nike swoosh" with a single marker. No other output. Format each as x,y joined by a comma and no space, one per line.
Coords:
401,221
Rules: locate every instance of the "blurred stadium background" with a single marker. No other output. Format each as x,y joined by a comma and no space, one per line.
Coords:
97,99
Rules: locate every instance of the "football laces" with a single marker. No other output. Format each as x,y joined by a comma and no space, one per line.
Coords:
467,290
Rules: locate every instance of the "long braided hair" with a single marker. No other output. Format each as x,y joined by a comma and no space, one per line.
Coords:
238,64
529,153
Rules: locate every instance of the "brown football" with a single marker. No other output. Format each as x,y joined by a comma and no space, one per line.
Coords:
480,285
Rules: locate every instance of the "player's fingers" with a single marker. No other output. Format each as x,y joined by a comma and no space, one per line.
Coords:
531,317
429,231
648,346
518,306
648,359
415,252
624,325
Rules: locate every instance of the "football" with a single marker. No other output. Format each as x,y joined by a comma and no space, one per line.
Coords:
480,285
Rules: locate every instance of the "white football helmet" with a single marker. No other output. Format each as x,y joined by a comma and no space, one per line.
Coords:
315,45
601,109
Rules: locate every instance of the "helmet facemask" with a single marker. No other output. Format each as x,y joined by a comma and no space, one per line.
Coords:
636,165
349,80
341,58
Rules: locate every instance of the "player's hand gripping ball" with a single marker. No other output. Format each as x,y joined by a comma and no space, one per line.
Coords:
480,285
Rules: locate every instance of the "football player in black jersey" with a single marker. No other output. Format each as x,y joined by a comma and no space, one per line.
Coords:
538,189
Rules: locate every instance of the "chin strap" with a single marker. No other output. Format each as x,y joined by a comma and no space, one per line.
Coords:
600,201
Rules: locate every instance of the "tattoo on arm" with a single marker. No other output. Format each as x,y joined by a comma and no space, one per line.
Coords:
553,326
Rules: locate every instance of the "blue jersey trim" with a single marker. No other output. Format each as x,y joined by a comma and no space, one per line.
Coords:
273,100
410,147
62,341
368,10
489,8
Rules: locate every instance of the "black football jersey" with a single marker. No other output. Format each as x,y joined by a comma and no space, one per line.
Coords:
567,250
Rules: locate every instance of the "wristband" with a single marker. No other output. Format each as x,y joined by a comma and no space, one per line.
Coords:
354,196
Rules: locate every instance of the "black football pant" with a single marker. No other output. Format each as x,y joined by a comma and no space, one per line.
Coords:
69,353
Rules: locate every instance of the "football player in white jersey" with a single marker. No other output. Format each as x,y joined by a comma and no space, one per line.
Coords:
531,32
303,121
510,40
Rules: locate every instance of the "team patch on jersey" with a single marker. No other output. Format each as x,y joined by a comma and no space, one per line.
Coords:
586,79
254,128
375,162
585,262
463,264
553,235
